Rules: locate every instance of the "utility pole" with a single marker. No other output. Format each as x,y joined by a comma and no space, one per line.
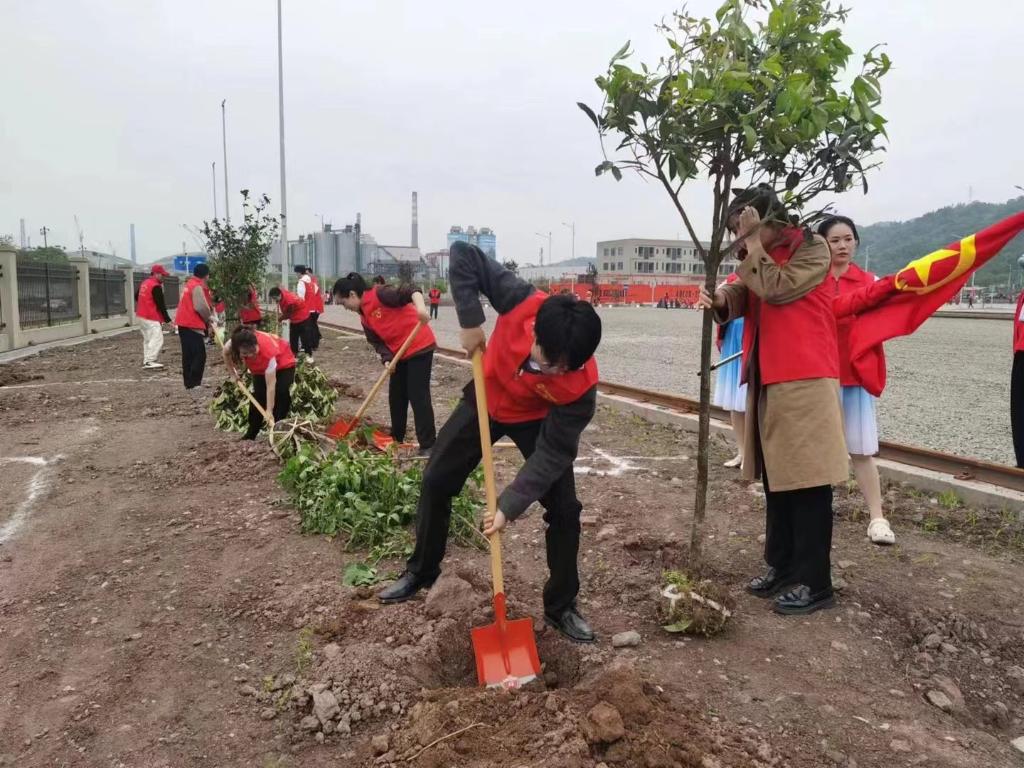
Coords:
224,136
43,231
867,258
213,174
280,109
548,236
573,228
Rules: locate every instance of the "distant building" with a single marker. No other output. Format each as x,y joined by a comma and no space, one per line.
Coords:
553,272
641,260
484,239
329,253
389,259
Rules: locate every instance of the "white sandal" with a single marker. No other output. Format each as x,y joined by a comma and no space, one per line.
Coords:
734,462
880,533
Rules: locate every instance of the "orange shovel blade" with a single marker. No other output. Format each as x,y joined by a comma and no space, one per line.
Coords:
340,429
506,651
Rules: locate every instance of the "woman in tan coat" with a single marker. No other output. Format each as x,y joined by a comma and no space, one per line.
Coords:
794,427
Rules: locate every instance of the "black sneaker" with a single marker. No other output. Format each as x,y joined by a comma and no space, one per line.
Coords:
408,584
572,625
770,584
799,601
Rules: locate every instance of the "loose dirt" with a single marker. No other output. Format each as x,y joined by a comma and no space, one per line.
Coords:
158,607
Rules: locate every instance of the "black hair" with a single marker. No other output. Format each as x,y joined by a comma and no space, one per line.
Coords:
300,269
567,330
761,198
379,280
201,270
353,281
831,221
241,337
275,292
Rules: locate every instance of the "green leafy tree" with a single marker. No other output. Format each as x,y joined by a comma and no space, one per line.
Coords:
238,256
752,96
53,254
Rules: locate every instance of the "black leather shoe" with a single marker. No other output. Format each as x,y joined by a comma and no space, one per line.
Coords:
572,625
799,601
408,584
770,584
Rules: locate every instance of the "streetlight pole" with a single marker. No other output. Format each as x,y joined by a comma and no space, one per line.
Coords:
548,236
280,109
573,228
224,137
44,232
213,174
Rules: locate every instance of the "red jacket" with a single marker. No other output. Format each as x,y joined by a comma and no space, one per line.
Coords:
251,315
292,307
435,295
145,306
796,341
185,316
318,296
269,347
515,395
1018,325
852,280
394,324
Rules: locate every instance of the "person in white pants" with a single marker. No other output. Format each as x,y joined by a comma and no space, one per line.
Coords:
151,312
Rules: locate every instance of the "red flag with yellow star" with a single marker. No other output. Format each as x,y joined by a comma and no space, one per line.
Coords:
919,289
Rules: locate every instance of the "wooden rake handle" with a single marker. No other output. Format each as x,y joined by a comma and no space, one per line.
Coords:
497,577
218,335
388,370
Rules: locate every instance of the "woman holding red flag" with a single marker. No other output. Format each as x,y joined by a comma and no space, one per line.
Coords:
270,360
860,422
389,315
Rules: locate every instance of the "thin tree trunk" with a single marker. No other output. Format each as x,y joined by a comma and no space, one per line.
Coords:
698,532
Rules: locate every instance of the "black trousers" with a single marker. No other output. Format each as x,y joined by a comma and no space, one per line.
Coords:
193,356
282,400
1017,406
410,383
433,310
454,457
301,332
798,534
314,323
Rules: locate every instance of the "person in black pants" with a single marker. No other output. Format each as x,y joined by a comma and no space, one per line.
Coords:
193,317
410,384
541,383
193,356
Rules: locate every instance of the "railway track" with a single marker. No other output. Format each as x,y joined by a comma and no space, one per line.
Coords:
957,467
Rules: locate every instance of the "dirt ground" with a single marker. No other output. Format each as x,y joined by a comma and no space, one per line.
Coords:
159,607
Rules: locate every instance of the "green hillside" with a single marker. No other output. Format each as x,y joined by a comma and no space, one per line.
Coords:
894,243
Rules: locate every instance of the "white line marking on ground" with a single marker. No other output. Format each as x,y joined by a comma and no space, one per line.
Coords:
620,465
37,486
96,381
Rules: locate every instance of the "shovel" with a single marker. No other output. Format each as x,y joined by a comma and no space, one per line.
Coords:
341,428
506,652
218,335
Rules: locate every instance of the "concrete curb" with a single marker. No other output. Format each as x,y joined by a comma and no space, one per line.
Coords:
23,352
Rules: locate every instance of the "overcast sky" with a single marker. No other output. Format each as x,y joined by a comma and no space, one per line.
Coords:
111,111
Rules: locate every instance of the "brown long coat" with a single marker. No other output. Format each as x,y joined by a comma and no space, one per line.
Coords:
799,423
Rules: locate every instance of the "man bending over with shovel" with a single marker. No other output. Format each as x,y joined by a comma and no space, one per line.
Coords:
541,387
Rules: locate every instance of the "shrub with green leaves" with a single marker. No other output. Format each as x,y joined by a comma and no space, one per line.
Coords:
368,498
313,399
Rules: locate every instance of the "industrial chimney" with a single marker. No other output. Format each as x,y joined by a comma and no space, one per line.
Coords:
131,234
415,223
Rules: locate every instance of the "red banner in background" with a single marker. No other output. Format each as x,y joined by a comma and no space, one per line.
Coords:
634,293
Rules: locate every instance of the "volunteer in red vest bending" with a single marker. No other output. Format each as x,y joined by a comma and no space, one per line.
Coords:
435,301
315,302
794,422
250,313
270,360
541,382
1017,379
389,315
151,311
294,310
193,317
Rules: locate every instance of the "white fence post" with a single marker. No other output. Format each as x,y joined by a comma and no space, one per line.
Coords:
10,322
129,293
84,295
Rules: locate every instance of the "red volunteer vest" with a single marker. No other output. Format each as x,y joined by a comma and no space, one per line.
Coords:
435,296
269,347
394,325
251,315
185,316
1018,325
292,307
796,341
514,395
145,307
318,297
850,281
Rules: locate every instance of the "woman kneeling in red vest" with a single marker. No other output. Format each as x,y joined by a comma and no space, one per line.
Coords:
270,360
389,315
541,384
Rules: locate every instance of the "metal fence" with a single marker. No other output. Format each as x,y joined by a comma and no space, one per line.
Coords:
171,286
106,293
47,294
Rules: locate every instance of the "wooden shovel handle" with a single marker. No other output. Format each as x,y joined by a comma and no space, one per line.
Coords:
388,370
218,335
497,577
